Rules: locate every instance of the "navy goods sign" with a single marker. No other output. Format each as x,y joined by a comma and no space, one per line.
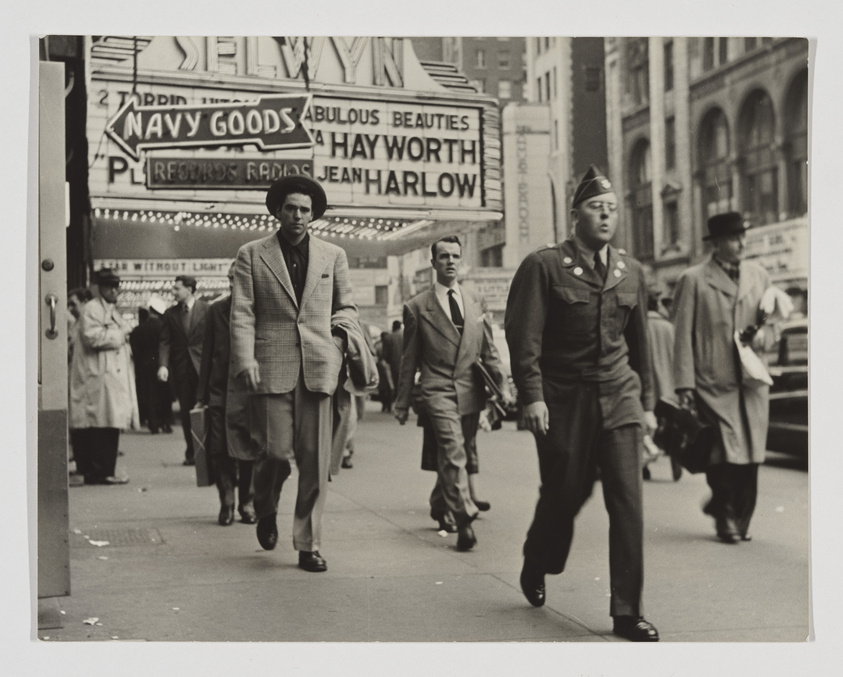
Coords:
270,122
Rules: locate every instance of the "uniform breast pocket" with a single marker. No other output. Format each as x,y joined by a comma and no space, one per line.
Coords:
627,300
571,307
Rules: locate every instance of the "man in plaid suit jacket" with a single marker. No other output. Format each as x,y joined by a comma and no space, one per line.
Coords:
290,291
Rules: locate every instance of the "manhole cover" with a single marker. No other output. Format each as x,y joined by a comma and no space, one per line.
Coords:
118,537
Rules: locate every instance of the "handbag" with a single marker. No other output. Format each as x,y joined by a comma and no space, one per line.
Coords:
199,432
684,436
754,373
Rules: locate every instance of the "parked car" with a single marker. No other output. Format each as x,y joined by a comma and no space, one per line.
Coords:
788,431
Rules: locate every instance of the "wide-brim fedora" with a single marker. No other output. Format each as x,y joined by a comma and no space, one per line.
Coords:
724,225
296,183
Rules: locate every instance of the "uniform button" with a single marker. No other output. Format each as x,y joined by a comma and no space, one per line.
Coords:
567,259
621,265
617,273
577,271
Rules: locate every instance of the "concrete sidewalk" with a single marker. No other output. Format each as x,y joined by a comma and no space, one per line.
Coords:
168,572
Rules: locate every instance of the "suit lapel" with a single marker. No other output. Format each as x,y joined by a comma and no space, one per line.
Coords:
436,316
274,259
470,328
317,259
719,279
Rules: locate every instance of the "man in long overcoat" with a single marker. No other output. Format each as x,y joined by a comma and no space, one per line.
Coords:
576,327
227,416
712,301
102,384
291,292
180,354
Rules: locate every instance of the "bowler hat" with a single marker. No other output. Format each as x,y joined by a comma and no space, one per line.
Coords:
106,277
593,183
723,225
296,183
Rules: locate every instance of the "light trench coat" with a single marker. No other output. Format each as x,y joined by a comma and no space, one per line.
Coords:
102,377
708,308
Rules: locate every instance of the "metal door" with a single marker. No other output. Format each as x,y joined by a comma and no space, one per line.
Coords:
53,550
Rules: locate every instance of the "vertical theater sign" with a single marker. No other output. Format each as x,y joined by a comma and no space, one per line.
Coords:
186,133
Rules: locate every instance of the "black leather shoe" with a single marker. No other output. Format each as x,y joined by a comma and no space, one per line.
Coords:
312,561
346,462
188,461
247,516
446,522
746,537
727,530
466,539
226,515
482,506
532,584
267,532
635,629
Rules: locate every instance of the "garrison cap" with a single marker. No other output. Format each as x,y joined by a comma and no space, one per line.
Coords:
296,183
720,225
593,183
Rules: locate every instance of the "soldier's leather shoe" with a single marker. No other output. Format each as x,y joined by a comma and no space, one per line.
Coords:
727,530
267,531
635,629
532,584
312,561
247,516
466,539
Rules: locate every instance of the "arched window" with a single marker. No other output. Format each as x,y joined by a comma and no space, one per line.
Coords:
641,199
715,177
759,173
796,144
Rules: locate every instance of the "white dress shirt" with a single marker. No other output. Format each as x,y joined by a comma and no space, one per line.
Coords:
442,296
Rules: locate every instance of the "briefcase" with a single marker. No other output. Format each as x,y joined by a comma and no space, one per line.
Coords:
684,436
199,432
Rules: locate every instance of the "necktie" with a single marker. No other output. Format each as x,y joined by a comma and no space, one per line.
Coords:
599,268
456,315
185,317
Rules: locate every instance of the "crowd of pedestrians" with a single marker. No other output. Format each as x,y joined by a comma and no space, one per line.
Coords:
282,366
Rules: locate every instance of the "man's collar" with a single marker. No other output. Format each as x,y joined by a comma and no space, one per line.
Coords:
589,253
189,301
286,244
442,290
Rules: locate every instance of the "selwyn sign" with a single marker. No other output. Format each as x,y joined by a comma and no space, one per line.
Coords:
270,122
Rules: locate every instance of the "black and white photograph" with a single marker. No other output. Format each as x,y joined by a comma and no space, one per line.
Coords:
386,349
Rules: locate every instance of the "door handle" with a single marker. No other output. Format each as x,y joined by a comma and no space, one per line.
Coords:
52,301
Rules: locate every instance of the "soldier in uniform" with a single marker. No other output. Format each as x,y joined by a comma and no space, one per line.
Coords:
576,325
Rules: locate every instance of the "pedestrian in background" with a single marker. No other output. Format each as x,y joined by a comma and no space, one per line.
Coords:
393,346
180,351
713,300
76,300
444,336
145,341
386,388
230,454
291,293
102,385
576,325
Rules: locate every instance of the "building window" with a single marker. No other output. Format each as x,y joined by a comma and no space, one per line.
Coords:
592,78
480,58
670,143
638,70
547,43
381,295
504,89
504,59
538,45
715,177
556,134
641,199
492,257
671,225
555,85
668,66
547,85
796,144
723,44
539,88
708,54
759,173
749,44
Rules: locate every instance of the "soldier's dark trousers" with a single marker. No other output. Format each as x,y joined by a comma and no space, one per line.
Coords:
569,455
734,491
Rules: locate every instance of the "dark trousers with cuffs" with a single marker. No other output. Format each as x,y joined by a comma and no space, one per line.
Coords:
230,473
734,489
95,452
569,455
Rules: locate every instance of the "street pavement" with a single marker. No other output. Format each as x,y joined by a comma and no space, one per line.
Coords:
149,561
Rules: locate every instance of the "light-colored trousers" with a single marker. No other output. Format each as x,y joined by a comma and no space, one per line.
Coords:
295,425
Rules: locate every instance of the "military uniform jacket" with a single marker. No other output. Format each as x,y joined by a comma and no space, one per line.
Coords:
566,328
